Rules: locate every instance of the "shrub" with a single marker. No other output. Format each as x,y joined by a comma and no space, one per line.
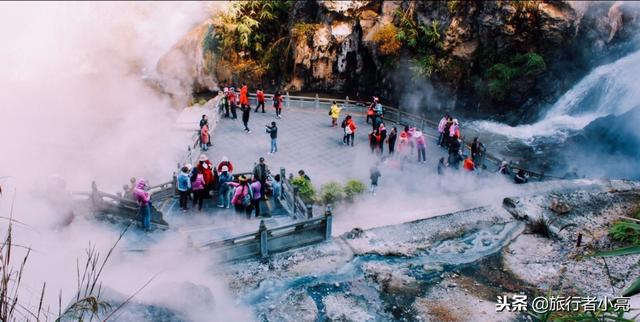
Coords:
386,40
305,189
353,188
331,193
625,231
303,29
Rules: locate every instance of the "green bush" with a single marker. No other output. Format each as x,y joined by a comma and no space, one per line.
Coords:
331,193
305,189
353,188
625,231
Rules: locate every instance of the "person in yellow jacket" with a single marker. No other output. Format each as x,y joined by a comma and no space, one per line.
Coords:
334,112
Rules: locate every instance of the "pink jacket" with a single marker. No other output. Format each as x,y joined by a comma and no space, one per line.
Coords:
140,195
204,134
441,125
241,191
453,130
198,184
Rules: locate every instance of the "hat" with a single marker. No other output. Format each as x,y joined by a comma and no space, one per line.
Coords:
417,134
455,121
225,168
375,98
504,163
242,178
188,165
203,157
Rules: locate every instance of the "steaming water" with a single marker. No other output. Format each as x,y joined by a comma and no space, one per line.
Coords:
609,89
426,268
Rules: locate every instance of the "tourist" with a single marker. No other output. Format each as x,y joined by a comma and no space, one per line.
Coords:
224,162
256,189
393,135
504,168
411,131
246,110
242,196
277,103
225,101
184,185
205,166
371,110
334,112
244,96
276,185
223,188
468,164
232,102
383,136
303,175
521,177
378,114
477,152
260,99
421,144
454,153
261,171
198,186
454,129
204,138
445,138
441,166
350,130
343,125
204,120
373,141
374,174
441,126
143,198
273,133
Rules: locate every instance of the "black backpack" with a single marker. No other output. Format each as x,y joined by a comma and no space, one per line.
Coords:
344,124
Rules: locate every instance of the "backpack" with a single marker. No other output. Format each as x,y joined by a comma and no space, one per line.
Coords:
246,200
344,124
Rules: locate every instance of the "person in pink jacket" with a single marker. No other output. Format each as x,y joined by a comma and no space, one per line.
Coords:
242,189
143,198
198,186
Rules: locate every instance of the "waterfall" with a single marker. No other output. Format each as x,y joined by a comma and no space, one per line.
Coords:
608,89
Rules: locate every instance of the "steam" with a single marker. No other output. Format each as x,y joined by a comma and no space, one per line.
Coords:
76,106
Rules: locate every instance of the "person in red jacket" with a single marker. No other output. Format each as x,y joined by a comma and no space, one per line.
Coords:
468,164
225,162
277,103
350,130
244,96
260,99
206,167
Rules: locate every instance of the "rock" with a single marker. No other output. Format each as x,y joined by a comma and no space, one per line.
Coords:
293,306
345,309
392,280
354,233
559,207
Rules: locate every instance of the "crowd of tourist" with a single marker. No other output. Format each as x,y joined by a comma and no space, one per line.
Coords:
243,192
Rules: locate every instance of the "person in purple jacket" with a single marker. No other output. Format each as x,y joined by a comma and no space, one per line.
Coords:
256,186
143,198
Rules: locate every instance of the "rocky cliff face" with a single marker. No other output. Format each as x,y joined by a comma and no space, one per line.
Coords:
489,56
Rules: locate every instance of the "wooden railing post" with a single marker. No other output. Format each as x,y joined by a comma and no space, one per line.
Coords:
309,211
283,177
174,181
316,102
262,231
287,99
327,221
295,196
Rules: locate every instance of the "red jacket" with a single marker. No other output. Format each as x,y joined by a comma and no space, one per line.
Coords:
231,97
260,96
352,125
468,164
207,172
244,98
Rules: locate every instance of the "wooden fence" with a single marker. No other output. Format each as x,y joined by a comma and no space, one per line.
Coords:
266,241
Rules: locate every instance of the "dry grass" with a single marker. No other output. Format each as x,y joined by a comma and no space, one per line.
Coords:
386,40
